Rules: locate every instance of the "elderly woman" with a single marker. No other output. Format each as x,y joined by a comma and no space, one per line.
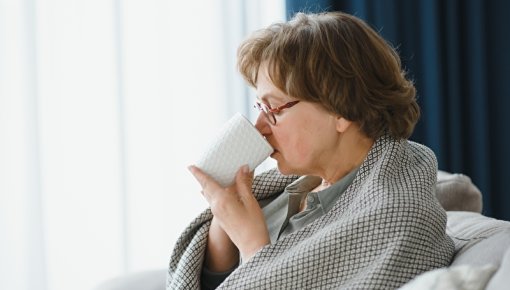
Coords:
337,108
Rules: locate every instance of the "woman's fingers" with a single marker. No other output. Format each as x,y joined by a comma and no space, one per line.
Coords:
236,210
244,180
207,183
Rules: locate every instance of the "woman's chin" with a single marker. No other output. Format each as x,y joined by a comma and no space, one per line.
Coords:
281,164
283,169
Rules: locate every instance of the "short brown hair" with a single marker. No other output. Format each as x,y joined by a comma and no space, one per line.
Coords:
337,60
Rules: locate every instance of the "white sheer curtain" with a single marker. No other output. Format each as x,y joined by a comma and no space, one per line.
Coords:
103,104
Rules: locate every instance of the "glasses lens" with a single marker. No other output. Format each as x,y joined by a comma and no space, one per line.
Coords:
267,112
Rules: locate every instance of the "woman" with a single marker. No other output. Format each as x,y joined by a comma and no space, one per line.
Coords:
337,109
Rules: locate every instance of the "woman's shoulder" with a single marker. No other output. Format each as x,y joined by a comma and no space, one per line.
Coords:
397,174
398,160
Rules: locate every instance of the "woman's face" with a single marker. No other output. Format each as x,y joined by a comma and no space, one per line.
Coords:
304,137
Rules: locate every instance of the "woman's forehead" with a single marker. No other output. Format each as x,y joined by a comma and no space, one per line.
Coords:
266,90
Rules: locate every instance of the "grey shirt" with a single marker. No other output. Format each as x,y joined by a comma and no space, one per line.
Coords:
283,216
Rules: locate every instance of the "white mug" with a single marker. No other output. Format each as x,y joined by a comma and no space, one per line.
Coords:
238,143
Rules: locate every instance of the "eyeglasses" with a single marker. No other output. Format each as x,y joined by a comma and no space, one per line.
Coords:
269,113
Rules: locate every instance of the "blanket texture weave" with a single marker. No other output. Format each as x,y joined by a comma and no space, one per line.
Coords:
385,229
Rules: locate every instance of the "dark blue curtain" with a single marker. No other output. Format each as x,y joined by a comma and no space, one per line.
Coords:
458,53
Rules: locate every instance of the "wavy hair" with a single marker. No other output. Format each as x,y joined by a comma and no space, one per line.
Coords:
337,60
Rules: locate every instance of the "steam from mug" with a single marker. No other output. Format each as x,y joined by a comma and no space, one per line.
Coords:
237,143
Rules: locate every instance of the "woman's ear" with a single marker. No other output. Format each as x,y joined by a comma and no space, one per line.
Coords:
342,124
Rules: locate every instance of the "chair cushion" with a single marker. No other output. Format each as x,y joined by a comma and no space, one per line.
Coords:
463,277
479,240
456,192
147,280
501,279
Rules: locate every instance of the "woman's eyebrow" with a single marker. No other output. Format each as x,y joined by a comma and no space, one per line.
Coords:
268,97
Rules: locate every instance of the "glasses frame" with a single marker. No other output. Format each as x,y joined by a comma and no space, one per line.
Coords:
269,113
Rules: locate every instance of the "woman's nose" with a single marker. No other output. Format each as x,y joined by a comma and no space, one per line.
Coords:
262,124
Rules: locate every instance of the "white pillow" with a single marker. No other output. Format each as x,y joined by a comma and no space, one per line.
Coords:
463,277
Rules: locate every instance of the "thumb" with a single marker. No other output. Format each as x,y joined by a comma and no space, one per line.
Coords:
244,180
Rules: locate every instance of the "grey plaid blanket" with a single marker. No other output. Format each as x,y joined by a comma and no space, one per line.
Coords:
385,229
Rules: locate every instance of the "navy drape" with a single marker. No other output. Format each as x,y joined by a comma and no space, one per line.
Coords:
458,54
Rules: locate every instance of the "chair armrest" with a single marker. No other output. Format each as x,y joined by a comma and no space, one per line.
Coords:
146,280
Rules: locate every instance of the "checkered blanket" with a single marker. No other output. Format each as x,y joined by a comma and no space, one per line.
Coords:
385,229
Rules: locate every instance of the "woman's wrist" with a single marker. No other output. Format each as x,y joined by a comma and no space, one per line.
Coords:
221,254
249,254
251,249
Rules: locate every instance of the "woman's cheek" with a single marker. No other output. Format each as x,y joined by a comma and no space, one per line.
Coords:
302,151
295,151
292,148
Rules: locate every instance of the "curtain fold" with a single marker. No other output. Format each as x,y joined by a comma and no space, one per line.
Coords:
456,52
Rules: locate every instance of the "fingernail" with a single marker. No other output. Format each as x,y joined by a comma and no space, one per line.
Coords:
190,167
245,169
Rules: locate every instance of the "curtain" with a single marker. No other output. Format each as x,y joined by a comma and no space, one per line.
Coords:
457,54
103,104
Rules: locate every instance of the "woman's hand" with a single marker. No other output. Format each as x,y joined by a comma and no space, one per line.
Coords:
236,210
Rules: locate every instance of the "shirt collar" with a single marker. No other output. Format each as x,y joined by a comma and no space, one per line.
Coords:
305,184
328,196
